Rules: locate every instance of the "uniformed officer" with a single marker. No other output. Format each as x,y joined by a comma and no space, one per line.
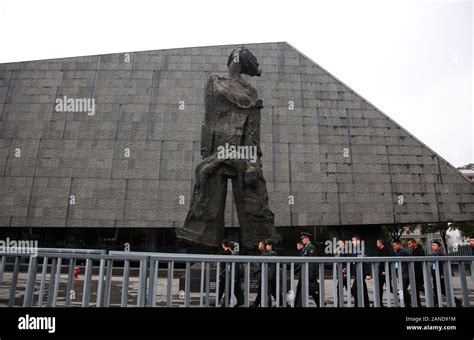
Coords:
308,250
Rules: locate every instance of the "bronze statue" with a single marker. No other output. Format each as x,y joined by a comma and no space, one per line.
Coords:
230,135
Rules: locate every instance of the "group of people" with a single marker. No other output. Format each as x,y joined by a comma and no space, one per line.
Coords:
306,248
397,249
417,250
266,248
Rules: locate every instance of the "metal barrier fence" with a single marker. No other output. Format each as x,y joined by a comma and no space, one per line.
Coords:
459,250
49,278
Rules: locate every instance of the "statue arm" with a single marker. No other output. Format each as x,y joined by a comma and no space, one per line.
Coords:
209,113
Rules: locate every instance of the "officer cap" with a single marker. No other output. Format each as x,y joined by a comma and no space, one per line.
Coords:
270,242
303,235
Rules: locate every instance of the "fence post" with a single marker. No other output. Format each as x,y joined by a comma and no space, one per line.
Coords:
360,285
100,283
393,276
208,283
340,285
304,286
322,298
152,279
226,286
264,291
377,292
465,292
427,284
277,285
400,284
388,284
2,267
142,276
284,288
448,284
292,283
201,286
108,283
413,288
247,285
87,281
126,275
187,283
218,266
44,272
438,285
348,280
232,283
30,283
70,281
169,285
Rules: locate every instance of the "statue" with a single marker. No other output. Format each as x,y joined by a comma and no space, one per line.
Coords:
230,148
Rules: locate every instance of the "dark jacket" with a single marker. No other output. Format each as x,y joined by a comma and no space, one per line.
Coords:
298,265
365,265
223,265
402,252
264,252
238,266
440,264
310,251
384,252
419,251
272,266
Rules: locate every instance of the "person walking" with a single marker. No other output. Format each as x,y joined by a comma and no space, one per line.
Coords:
309,250
382,251
400,251
358,250
262,248
436,247
231,248
417,250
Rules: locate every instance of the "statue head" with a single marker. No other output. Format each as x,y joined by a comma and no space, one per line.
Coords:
242,59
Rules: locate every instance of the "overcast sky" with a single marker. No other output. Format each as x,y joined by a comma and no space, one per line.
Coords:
412,59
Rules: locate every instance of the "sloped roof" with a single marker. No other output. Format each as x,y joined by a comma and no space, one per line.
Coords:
343,160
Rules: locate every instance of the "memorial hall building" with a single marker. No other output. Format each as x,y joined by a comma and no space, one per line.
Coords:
100,151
